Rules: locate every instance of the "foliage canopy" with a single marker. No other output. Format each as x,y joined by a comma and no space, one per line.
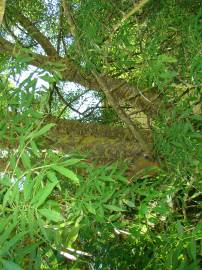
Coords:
92,93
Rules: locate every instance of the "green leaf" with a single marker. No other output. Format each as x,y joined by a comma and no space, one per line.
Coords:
114,217
90,208
51,215
9,265
72,235
34,148
143,210
5,181
7,231
192,249
11,243
26,160
27,188
129,203
48,78
28,249
66,172
41,132
8,197
113,207
52,176
4,223
167,58
71,161
24,59
43,194
168,74
107,196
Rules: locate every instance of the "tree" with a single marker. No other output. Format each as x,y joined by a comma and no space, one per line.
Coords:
140,61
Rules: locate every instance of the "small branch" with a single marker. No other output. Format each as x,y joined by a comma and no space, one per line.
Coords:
137,7
70,20
91,109
59,38
69,103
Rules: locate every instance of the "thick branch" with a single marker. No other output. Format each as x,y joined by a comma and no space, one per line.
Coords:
37,35
101,142
120,88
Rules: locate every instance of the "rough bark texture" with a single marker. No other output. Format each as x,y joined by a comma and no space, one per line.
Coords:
101,143
104,143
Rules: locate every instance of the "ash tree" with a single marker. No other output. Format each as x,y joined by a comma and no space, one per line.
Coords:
100,134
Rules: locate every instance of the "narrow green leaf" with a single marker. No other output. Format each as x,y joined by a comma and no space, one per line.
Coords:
52,176
72,235
4,223
34,148
24,59
28,249
8,198
43,194
5,181
192,249
41,132
90,208
129,203
47,78
26,160
7,231
11,243
71,161
114,217
167,58
107,196
27,188
51,215
66,172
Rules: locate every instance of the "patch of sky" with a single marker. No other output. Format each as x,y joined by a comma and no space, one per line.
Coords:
32,73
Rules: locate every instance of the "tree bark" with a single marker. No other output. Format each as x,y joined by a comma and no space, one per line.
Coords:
101,143
121,89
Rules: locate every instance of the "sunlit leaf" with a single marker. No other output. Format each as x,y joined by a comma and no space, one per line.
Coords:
34,148
51,215
26,160
66,172
43,194
41,132
48,78
90,208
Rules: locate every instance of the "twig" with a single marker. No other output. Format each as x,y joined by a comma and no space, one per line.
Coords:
60,30
126,16
67,104
70,20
